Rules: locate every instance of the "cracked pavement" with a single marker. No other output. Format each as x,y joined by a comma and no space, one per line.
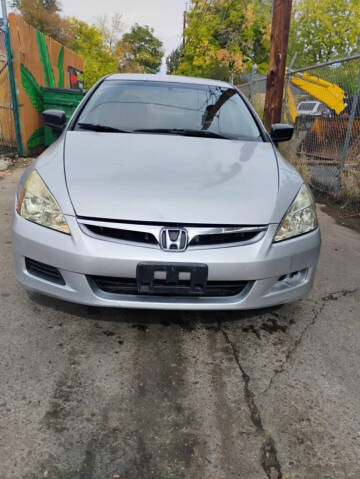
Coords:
270,394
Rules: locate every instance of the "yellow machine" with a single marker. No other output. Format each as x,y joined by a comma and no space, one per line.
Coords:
328,93
325,137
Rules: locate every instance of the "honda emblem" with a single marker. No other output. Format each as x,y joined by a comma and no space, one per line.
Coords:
174,239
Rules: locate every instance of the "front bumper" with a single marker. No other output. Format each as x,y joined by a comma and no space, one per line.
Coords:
262,264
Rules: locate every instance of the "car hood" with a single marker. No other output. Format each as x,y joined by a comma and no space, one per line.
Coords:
167,178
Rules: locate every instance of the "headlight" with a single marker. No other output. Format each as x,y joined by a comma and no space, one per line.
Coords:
300,217
37,204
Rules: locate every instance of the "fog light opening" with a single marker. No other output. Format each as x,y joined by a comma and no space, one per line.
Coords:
285,281
294,276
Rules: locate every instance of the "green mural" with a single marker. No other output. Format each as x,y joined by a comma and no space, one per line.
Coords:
33,89
60,67
36,138
45,60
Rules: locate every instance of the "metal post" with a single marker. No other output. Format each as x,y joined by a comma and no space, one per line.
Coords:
287,80
252,84
354,106
15,106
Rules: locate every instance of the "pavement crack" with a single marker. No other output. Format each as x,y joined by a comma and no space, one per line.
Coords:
291,351
335,295
315,314
269,459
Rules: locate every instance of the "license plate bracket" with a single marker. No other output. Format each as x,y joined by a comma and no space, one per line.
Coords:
172,284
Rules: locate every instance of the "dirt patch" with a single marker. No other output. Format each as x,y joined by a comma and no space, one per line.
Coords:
345,214
14,164
4,174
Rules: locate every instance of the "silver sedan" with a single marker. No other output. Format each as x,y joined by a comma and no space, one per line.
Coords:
165,192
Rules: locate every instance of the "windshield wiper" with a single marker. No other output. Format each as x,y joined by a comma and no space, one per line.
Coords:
105,128
184,132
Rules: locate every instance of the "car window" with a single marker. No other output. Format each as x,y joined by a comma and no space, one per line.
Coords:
307,106
144,105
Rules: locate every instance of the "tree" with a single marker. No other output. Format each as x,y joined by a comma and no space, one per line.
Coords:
44,16
110,28
173,61
88,42
224,38
99,45
322,30
140,50
125,57
50,5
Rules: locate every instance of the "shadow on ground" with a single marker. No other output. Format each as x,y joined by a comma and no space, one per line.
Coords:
187,320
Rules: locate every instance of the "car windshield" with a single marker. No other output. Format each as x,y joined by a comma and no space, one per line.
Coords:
168,108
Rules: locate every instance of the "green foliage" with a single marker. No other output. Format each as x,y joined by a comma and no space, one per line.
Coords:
140,50
226,37
322,30
49,5
173,61
87,41
45,60
44,16
60,67
36,138
32,88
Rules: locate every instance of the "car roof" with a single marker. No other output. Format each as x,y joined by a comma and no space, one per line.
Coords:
167,78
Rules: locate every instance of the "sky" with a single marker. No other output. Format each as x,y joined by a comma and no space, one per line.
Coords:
165,16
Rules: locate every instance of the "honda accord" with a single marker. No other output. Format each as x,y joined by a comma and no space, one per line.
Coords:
165,192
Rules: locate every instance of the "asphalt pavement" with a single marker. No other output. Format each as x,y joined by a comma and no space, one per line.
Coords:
88,393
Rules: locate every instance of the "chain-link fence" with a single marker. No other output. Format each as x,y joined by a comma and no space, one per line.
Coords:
323,104
8,144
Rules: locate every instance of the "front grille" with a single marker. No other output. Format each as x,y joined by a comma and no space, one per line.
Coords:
223,238
116,285
124,235
44,271
200,236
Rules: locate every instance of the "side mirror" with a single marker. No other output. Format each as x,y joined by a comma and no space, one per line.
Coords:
55,119
281,132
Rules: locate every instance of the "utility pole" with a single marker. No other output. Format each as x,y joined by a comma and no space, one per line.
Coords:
184,27
277,61
184,23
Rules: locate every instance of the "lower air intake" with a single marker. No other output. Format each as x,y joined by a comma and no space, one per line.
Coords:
129,286
44,271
